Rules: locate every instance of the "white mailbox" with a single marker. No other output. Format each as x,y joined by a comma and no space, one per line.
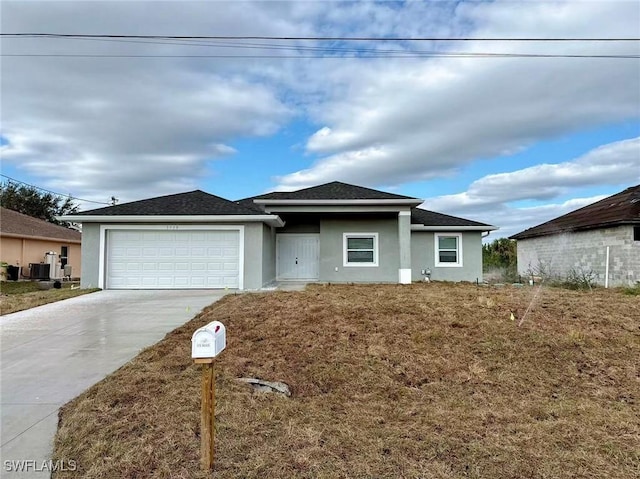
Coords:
208,341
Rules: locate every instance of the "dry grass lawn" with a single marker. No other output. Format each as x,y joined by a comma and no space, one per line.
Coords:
18,296
388,381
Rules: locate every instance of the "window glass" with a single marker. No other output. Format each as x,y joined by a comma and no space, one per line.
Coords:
448,242
360,243
360,256
448,257
64,253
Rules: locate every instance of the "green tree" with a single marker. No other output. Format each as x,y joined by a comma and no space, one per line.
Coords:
34,202
501,253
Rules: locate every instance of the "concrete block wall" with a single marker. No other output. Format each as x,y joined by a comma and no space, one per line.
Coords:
585,252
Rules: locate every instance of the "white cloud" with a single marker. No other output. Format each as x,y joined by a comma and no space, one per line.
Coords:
613,164
514,220
401,120
132,127
139,127
488,199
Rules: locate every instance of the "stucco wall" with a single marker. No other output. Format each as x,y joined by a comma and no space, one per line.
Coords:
585,252
22,251
268,255
253,245
423,257
90,255
331,251
11,251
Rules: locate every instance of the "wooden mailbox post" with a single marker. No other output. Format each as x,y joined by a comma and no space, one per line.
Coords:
206,343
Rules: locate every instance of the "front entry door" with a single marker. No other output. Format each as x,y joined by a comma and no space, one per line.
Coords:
297,256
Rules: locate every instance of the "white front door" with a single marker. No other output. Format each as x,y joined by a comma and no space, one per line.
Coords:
298,256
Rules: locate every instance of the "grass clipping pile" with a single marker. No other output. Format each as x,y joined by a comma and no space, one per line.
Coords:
416,381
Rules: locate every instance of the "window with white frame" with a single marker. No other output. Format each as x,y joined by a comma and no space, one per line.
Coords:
360,249
448,248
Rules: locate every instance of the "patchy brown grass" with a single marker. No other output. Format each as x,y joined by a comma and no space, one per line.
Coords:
417,381
18,296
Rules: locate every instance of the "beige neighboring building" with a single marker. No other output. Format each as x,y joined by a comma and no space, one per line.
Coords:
24,240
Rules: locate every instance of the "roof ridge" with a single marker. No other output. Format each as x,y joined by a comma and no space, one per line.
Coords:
195,202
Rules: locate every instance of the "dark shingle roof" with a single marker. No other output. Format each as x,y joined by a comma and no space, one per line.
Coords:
335,190
621,208
12,222
431,218
182,204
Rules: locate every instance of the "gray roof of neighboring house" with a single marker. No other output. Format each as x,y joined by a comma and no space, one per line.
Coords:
431,218
621,208
335,190
182,204
14,223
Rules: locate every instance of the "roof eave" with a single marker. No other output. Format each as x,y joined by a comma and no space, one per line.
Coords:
40,238
612,224
415,227
272,220
333,202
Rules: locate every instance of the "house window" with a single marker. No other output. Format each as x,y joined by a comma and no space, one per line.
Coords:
448,249
360,249
636,233
64,255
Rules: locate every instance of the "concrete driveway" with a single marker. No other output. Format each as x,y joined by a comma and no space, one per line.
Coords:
52,353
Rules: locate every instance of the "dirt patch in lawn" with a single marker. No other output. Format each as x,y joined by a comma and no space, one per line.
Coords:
415,381
21,295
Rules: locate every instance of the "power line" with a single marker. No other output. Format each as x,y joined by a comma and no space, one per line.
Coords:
52,192
321,39
332,52
253,57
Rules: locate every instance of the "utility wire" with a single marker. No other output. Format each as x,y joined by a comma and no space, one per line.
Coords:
408,55
52,192
342,39
334,52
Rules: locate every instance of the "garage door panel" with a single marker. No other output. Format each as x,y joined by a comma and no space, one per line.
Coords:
172,259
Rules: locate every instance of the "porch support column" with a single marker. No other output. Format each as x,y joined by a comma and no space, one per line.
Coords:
404,242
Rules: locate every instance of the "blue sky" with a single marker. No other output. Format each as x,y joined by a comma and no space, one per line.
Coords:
510,141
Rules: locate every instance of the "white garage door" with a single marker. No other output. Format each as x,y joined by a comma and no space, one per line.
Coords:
149,259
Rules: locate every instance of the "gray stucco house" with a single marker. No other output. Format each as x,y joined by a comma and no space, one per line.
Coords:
334,232
600,238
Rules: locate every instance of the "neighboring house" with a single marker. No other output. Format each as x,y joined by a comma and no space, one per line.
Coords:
331,233
24,240
581,241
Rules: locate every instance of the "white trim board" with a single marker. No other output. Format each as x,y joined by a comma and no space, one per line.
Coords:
273,220
453,229
404,275
408,202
